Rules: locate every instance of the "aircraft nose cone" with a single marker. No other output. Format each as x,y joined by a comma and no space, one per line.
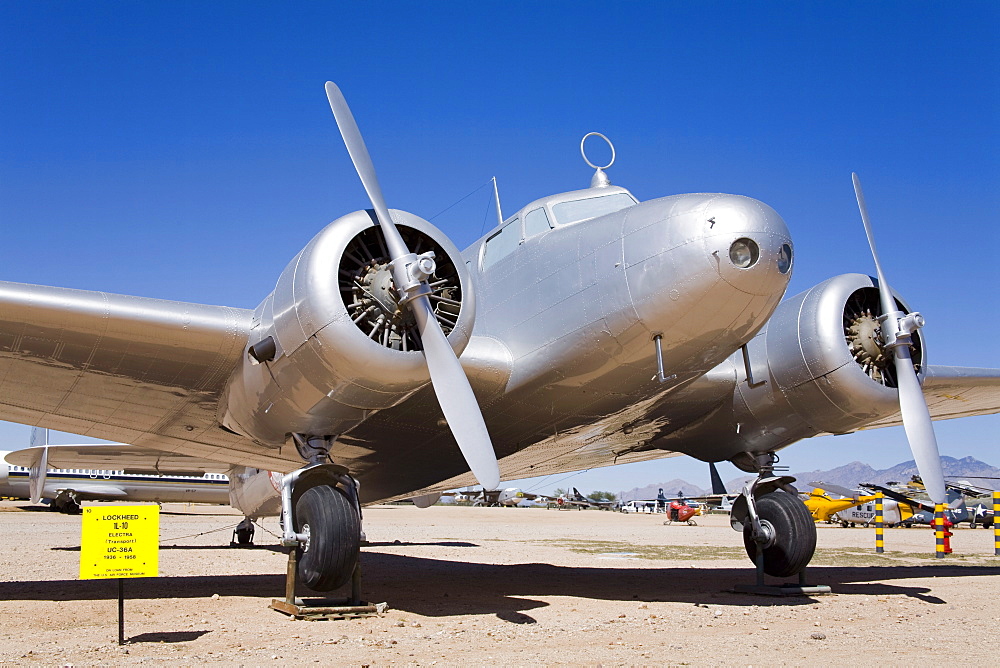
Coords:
750,244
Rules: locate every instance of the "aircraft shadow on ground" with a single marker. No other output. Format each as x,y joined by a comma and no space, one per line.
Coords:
435,587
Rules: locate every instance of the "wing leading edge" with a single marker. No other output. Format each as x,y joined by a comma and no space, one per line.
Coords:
954,392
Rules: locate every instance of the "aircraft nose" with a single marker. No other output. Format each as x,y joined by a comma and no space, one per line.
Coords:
749,243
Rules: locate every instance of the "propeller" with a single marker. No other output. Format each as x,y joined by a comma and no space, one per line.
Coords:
897,331
410,273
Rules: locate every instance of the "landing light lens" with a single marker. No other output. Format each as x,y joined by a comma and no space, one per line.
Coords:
785,258
744,253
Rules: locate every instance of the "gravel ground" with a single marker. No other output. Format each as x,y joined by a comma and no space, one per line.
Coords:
501,586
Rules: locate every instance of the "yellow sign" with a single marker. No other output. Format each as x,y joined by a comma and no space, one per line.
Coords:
120,542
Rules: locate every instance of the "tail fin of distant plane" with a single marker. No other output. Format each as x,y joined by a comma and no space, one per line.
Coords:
717,486
39,437
36,475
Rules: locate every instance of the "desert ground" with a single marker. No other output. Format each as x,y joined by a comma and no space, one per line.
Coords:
503,586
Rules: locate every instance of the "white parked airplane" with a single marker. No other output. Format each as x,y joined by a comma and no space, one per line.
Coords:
585,330
54,473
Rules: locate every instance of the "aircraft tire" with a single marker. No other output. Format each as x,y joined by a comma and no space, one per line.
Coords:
329,559
794,534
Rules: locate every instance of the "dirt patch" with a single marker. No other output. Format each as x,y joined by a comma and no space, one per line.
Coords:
498,585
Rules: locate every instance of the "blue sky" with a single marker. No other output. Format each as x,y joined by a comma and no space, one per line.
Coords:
186,151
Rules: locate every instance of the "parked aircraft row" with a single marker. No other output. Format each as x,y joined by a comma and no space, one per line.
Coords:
586,329
901,505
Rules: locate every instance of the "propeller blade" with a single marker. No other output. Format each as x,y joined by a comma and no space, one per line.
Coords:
451,386
912,404
918,426
455,396
366,169
884,291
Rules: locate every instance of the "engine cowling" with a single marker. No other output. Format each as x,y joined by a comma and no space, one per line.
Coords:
822,363
333,342
817,367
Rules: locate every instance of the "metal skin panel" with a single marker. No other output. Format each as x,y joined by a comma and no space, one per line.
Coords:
954,392
254,492
130,369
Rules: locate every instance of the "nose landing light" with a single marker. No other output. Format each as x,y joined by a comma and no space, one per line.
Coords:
785,258
744,253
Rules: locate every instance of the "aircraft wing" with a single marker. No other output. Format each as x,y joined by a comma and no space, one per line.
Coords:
954,392
901,498
837,489
143,371
117,457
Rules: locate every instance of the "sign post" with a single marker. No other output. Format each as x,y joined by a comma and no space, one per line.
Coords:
120,542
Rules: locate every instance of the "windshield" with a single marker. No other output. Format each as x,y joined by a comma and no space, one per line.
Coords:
591,207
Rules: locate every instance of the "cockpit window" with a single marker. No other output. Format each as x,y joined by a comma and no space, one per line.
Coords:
536,222
591,207
502,244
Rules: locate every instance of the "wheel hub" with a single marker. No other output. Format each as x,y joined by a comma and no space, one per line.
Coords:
308,534
766,536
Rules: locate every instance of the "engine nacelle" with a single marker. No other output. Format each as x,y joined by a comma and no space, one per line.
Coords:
824,368
332,342
818,367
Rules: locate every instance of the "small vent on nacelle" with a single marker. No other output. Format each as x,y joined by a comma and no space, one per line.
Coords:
863,333
370,295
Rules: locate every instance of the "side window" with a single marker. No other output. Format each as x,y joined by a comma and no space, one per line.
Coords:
502,244
536,222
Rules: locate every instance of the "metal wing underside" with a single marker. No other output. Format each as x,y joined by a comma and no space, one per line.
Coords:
147,372
954,392
532,436
117,457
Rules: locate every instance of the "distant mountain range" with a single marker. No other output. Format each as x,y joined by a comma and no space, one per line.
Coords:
848,475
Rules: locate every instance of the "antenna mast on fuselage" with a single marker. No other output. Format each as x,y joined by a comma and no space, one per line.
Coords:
599,179
496,196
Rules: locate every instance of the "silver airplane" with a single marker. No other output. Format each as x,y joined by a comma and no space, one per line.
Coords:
585,330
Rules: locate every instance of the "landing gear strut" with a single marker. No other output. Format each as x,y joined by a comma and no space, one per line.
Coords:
243,533
321,517
778,532
67,502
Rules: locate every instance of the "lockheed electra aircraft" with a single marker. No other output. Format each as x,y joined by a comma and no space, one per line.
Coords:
587,329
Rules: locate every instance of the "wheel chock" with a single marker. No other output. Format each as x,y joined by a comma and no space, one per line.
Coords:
314,609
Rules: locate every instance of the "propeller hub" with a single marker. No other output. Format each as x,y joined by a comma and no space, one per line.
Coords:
375,304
